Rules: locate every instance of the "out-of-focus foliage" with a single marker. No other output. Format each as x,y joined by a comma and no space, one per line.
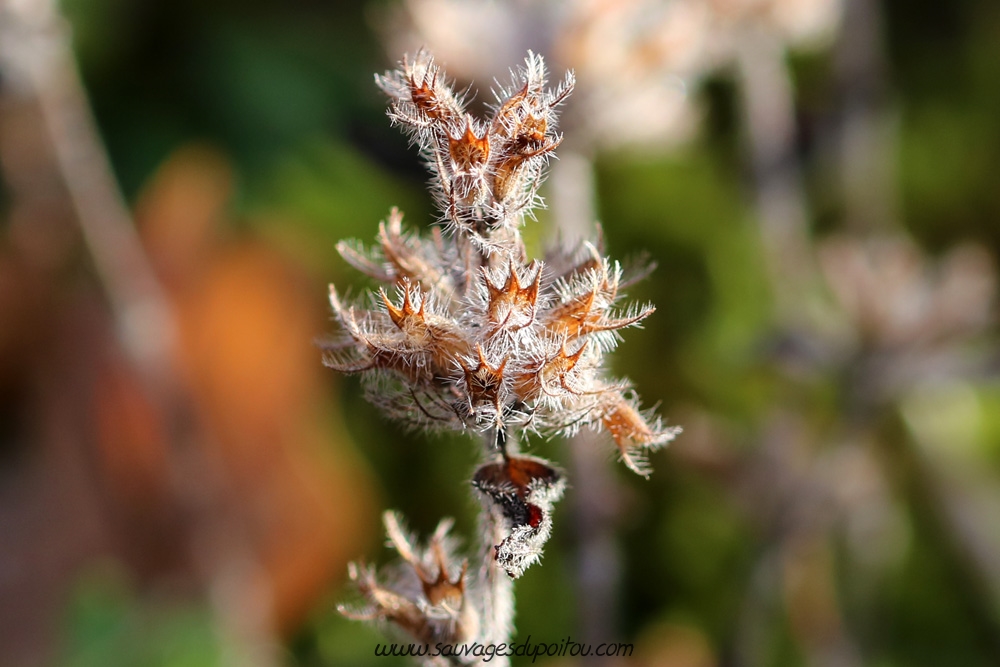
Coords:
248,138
109,626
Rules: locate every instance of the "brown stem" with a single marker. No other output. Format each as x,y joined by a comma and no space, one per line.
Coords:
769,116
866,131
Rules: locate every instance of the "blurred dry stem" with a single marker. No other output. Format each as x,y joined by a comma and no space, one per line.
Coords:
769,104
38,64
37,58
868,126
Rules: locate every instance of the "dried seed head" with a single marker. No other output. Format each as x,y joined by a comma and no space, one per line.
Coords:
487,172
422,101
385,604
485,387
464,332
552,377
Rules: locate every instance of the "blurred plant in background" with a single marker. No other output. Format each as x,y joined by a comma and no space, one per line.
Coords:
825,224
175,425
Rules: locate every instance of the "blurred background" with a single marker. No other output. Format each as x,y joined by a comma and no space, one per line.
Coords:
182,483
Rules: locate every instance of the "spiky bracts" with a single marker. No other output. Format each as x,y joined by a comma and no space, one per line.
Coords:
465,332
486,172
457,340
427,597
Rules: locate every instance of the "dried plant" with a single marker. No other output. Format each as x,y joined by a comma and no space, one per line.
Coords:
467,334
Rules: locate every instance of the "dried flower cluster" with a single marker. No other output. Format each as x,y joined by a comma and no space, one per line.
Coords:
466,333
485,173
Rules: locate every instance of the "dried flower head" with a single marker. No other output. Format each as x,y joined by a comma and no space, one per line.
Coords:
465,332
486,173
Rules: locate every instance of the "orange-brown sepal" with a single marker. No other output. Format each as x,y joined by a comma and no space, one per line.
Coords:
512,306
485,382
631,431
